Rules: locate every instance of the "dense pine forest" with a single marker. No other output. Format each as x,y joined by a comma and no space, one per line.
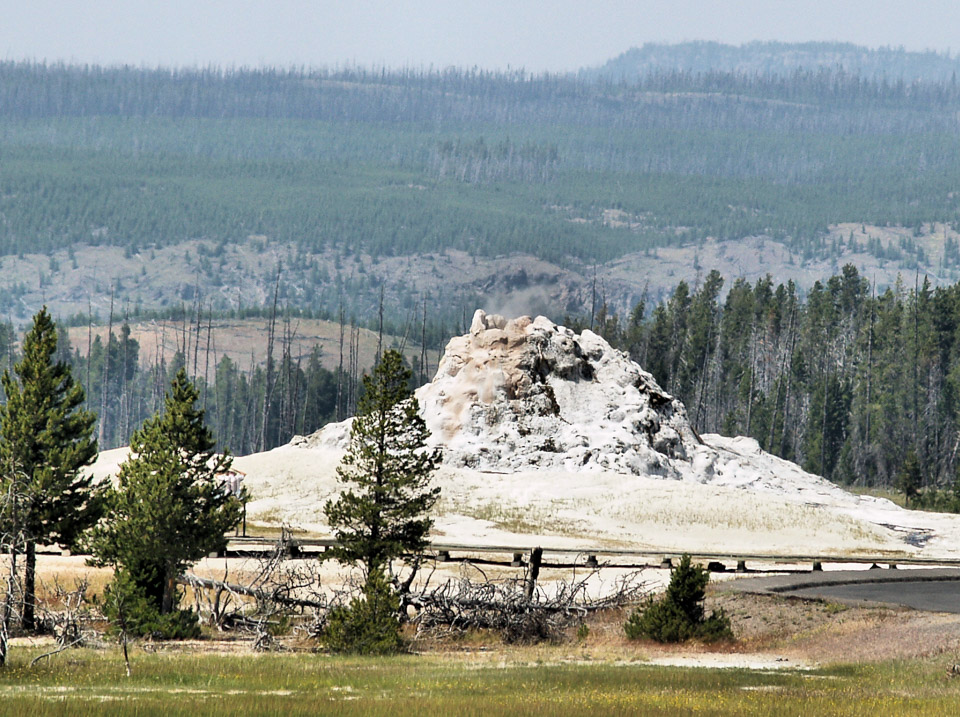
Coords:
853,384
759,57
250,407
844,379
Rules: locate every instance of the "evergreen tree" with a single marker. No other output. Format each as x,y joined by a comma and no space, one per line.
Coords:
168,509
46,438
383,512
678,615
370,624
909,477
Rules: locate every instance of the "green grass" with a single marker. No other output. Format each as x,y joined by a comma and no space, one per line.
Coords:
87,681
877,492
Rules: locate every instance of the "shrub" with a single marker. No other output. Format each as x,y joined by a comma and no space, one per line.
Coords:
370,625
176,625
679,615
126,607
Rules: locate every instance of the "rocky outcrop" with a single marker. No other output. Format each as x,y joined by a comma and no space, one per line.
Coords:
526,393
512,395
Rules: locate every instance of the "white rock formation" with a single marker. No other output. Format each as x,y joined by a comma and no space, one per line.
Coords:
521,394
526,393
579,440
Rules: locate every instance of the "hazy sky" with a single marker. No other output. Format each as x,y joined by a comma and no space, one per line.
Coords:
557,35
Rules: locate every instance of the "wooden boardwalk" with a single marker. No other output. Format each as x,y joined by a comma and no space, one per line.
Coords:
564,557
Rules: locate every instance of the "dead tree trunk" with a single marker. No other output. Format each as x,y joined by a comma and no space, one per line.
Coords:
753,371
380,328
106,375
268,375
536,555
194,581
87,386
13,545
423,345
206,359
780,380
196,342
340,415
27,613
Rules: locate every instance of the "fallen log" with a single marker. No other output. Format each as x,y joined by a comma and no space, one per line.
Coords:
194,581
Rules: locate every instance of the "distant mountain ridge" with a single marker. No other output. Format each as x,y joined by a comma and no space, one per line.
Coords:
778,58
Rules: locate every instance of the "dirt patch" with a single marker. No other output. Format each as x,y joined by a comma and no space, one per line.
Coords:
825,632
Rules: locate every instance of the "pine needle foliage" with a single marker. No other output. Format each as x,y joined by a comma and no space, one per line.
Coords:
370,624
46,438
168,509
679,614
909,478
383,513
131,614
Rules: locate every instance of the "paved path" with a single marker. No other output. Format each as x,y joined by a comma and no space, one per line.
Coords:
930,596
936,590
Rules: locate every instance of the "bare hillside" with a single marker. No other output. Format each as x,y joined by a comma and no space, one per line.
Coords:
245,274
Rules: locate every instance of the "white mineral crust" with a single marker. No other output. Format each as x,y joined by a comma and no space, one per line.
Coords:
553,434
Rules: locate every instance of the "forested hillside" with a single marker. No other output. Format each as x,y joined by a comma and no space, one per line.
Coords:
357,168
846,380
283,386
765,58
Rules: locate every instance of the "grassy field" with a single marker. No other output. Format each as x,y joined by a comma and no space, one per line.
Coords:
85,681
794,657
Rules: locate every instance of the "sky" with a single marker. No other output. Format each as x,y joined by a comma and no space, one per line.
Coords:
492,34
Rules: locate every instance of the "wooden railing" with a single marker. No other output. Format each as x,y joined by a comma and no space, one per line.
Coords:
591,556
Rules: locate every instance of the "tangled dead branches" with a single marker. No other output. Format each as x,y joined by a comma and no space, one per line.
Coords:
504,606
279,593
271,589
68,622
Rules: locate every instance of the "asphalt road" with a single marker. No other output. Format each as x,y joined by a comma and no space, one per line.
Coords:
936,590
930,595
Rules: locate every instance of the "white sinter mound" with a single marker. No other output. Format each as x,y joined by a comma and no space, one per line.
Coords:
556,437
528,394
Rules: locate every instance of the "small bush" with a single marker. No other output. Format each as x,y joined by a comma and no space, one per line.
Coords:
583,632
678,615
177,625
128,610
370,625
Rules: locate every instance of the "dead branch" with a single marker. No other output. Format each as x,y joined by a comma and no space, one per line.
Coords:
512,608
278,586
217,603
57,650
66,621
194,581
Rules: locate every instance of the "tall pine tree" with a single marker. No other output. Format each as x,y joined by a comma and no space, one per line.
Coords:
169,509
46,438
383,513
